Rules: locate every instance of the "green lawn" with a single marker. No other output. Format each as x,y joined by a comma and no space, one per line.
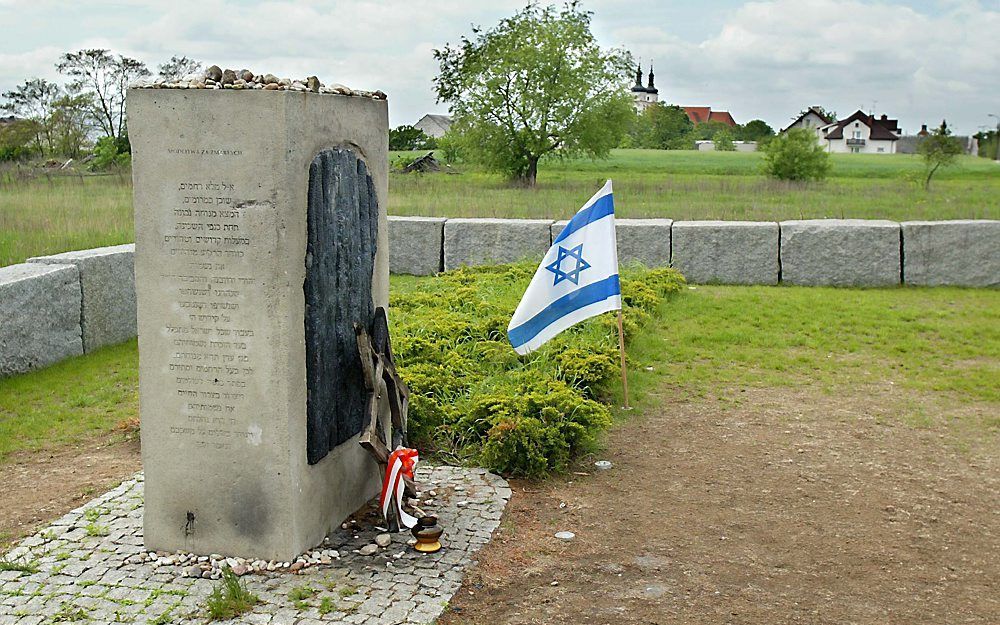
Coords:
941,343
51,215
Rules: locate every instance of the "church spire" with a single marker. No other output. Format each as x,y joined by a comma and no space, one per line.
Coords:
638,75
650,85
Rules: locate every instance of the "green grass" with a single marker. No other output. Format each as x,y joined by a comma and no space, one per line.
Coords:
18,565
69,401
230,598
941,342
53,214
59,214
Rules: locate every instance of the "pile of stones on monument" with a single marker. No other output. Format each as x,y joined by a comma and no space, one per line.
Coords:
217,78
211,566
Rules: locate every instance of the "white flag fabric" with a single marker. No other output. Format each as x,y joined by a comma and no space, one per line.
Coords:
578,277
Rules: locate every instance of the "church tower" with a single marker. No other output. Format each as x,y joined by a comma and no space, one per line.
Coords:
647,96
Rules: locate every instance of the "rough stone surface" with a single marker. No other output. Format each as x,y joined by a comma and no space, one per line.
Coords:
415,245
39,316
960,253
840,252
640,241
340,255
487,241
92,563
107,281
726,252
221,236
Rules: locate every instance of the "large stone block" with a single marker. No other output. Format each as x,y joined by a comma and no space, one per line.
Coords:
643,241
416,245
107,281
840,252
961,253
39,316
242,199
492,241
726,252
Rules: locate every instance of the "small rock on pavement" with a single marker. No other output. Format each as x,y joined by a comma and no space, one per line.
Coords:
368,550
383,540
565,535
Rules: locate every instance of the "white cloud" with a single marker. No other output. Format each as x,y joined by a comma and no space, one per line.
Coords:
764,59
771,59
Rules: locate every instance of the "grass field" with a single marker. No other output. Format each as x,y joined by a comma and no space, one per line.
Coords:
941,343
58,214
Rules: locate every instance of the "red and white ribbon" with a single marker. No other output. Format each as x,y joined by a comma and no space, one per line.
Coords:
401,464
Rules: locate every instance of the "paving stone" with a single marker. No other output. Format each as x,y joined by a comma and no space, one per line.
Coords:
726,252
412,590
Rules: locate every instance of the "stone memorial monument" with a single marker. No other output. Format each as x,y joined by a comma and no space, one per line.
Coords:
261,242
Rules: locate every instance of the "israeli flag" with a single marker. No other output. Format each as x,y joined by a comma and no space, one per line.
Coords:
578,277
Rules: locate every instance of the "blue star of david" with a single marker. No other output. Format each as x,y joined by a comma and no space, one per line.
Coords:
574,274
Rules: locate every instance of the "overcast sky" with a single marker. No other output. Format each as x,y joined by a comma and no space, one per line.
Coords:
919,61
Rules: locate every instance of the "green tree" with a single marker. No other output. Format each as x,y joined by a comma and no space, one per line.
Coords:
670,128
796,155
15,137
409,138
104,77
70,123
178,67
706,131
724,141
754,130
33,100
939,149
535,85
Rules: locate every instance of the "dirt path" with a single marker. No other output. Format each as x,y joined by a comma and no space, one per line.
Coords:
791,507
41,486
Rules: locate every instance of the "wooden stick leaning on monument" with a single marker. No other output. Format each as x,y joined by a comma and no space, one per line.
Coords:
382,383
621,351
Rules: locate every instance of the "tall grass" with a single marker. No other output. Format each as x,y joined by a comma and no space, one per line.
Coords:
50,214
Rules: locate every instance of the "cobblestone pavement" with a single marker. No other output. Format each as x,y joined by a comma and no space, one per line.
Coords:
90,566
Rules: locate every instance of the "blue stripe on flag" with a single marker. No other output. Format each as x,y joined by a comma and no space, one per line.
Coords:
590,294
601,208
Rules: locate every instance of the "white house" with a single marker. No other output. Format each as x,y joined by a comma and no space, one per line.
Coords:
861,133
434,125
814,119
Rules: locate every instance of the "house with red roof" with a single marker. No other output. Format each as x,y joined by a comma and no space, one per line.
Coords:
702,114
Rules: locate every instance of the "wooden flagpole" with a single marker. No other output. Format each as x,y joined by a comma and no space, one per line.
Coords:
621,351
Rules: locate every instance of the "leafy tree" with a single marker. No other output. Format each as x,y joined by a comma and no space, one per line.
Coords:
450,147
104,77
14,139
178,67
33,100
754,130
796,155
706,131
409,138
535,85
724,141
939,149
670,127
70,123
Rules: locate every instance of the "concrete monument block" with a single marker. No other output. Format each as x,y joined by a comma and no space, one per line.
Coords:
726,252
416,245
643,241
961,253
840,252
107,281
39,316
261,240
493,241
